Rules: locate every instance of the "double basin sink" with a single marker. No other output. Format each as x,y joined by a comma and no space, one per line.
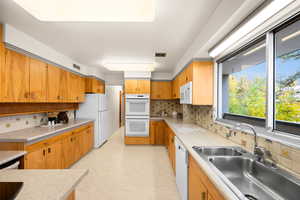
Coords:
248,178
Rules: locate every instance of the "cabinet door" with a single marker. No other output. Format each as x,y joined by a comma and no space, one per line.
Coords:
53,158
35,159
160,133
2,63
78,145
53,84
153,125
81,89
38,80
74,87
68,154
64,85
131,86
15,77
197,189
172,150
176,88
189,73
161,90
143,86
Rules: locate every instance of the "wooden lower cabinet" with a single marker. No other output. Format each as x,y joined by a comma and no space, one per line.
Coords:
157,132
53,156
170,144
200,187
36,159
57,152
68,152
137,140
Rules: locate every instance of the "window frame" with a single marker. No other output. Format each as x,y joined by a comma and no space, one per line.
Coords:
270,121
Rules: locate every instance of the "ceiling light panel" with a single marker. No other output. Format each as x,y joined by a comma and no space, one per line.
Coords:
138,67
90,10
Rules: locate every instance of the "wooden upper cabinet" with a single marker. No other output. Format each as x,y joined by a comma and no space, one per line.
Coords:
75,87
15,77
134,86
38,80
161,90
202,83
131,86
144,86
81,89
57,84
188,75
53,84
175,88
200,73
93,85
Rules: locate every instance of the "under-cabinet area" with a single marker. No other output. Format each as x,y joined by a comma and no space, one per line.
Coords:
150,100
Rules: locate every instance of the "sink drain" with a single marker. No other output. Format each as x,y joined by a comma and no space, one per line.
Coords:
250,197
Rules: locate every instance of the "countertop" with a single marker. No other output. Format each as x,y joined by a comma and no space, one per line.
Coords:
30,135
44,184
193,135
6,156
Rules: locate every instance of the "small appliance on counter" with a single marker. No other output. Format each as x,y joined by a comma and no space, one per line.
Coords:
62,117
174,114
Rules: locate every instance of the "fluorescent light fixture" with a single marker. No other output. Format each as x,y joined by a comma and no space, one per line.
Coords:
254,49
293,35
138,67
270,10
90,10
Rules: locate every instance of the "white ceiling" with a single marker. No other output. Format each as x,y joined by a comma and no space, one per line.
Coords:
176,25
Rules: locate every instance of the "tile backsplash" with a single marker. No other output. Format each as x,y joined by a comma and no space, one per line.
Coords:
13,123
157,106
284,155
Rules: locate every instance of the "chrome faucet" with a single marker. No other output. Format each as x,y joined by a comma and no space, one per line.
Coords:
259,152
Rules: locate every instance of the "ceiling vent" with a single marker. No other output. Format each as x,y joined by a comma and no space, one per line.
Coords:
160,54
76,66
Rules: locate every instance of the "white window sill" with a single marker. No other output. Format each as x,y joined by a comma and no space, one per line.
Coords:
283,138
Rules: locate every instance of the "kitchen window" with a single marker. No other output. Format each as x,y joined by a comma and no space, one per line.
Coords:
260,83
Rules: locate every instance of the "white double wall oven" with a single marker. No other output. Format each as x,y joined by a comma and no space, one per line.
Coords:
137,114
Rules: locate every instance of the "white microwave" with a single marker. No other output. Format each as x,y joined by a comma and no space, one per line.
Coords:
186,93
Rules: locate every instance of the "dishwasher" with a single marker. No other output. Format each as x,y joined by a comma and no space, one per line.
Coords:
181,169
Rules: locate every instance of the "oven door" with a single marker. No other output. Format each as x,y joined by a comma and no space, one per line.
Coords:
137,127
137,107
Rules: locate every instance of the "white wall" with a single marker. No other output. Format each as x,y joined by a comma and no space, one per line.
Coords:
25,42
113,95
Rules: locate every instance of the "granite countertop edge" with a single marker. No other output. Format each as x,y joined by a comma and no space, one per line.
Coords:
198,132
8,158
45,135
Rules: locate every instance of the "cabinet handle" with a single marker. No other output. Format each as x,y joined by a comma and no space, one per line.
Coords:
44,152
49,150
203,196
58,97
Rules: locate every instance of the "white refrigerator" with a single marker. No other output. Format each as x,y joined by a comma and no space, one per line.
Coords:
96,107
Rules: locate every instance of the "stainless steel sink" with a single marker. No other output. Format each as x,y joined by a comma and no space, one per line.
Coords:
248,178
9,190
220,151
